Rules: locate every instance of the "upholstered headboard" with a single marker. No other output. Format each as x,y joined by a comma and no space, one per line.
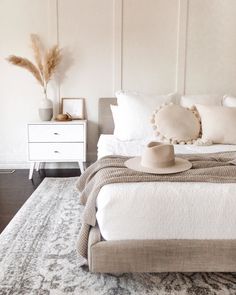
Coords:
105,120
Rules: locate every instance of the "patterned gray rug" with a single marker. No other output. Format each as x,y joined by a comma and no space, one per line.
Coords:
38,256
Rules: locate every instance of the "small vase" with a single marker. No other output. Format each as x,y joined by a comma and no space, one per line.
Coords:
46,109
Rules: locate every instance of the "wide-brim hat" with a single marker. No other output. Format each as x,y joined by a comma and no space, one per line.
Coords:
158,158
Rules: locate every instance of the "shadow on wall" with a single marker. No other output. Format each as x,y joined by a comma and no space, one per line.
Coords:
66,63
61,75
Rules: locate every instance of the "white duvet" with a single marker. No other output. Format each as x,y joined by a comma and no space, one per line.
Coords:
165,210
109,145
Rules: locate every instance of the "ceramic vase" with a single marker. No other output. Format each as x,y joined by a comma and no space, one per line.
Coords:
46,109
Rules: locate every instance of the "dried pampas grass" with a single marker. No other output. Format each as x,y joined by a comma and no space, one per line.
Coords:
52,60
26,64
37,49
46,62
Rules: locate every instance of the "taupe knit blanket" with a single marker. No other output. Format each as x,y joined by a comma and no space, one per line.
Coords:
217,167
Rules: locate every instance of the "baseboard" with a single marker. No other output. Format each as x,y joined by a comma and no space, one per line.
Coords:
55,165
47,166
14,165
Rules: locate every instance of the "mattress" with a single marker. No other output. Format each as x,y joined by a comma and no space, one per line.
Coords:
164,210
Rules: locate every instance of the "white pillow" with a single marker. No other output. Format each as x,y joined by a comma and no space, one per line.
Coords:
115,115
189,101
218,123
135,110
229,101
114,111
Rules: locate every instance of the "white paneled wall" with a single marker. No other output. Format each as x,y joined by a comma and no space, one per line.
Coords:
155,46
149,45
211,47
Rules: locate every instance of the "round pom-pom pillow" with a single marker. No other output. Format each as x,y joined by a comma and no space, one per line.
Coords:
176,124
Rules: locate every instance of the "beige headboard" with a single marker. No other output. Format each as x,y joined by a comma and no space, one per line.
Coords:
105,120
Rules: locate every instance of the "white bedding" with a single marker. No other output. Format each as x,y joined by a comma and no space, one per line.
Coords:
173,210
109,145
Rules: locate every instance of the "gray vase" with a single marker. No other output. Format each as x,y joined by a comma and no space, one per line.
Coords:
46,109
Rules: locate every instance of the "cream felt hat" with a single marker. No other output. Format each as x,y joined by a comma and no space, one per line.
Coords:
158,158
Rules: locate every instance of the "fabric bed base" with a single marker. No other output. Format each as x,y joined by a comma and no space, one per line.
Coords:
160,255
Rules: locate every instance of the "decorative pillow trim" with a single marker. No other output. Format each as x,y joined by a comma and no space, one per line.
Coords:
203,142
174,140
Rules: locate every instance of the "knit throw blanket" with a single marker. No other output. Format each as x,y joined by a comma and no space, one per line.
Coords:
217,168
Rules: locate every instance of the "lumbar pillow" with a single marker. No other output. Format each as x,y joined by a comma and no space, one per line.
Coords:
229,101
135,109
218,123
189,101
176,124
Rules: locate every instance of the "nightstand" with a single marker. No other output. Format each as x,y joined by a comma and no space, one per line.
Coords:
55,141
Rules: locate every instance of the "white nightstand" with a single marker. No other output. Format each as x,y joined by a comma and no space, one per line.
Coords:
55,141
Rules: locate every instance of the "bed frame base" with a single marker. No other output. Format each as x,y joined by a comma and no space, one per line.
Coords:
160,255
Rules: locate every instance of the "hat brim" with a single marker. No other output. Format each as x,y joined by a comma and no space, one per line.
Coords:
179,166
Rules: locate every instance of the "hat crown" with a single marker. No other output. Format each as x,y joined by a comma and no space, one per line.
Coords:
158,155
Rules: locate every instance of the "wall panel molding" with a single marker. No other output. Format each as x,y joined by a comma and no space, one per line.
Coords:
53,30
182,46
118,44
53,37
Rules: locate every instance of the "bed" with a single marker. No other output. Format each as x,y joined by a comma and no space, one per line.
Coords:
193,225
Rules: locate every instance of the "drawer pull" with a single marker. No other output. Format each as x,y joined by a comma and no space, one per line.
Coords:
55,133
56,152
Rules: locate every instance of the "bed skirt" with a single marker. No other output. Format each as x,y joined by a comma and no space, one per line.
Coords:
160,255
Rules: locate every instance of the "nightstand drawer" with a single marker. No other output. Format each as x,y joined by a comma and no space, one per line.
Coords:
56,133
56,151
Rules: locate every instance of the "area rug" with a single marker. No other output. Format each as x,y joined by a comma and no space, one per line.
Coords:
38,255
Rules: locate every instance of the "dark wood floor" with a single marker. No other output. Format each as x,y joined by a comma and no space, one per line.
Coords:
16,188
